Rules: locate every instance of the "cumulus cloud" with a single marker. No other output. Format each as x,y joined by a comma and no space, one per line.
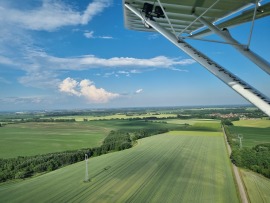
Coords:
69,86
94,94
86,89
52,15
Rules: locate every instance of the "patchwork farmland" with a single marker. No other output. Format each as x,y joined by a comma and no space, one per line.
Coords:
180,166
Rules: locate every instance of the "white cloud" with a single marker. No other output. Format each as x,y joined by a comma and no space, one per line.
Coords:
69,86
129,72
42,70
6,61
179,70
94,94
86,89
36,76
51,15
139,91
159,61
123,72
135,71
109,74
91,61
94,8
89,34
126,73
105,37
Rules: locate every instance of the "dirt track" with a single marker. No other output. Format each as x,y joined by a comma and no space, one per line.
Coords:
242,191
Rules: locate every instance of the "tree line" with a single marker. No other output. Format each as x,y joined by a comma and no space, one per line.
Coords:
27,166
256,158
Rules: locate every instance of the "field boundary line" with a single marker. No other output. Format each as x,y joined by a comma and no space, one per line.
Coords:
241,188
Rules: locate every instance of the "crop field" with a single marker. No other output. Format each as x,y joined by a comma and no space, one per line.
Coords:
252,136
39,138
117,116
27,139
259,123
180,166
132,124
191,121
258,187
209,126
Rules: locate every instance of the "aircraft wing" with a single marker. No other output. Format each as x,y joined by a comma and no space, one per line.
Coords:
181,13
245,16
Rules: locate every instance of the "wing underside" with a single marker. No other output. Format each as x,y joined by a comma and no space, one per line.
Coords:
181,15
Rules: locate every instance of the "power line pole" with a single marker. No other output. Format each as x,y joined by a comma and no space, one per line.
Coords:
240,137
86,179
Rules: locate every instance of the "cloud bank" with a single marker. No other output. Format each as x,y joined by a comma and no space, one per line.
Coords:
86,89
43,70
91,61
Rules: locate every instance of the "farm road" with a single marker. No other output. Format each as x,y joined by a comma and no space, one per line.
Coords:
242,191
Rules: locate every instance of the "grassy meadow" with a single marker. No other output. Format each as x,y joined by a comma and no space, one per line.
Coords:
180,166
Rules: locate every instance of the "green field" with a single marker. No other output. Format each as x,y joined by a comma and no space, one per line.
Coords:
175,167
254,132
252,136
39,138
25,139
258,123
191,121
258,187
118,116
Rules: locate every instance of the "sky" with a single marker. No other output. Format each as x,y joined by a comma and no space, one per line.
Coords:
68,54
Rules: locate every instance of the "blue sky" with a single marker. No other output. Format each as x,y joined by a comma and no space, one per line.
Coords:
67,54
